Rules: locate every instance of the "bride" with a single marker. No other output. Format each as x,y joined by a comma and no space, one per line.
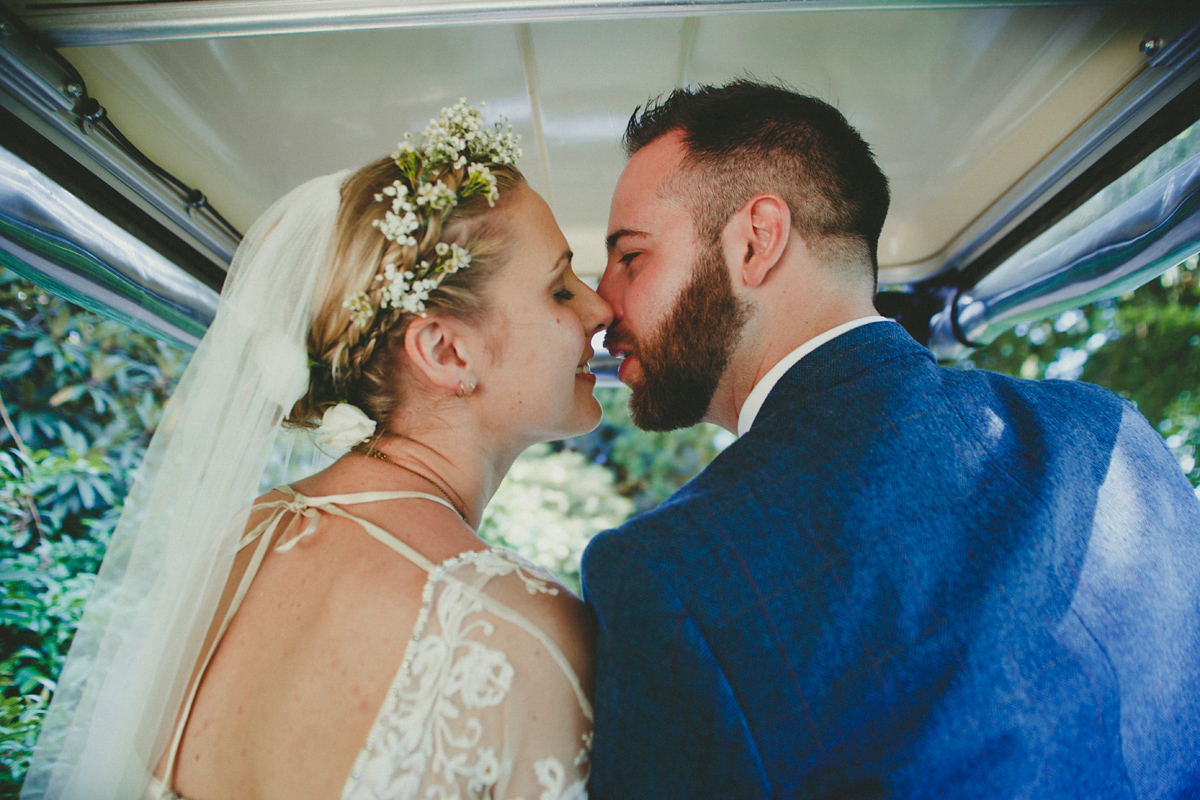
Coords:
350,635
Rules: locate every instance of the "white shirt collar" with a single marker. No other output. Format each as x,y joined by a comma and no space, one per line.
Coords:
758,394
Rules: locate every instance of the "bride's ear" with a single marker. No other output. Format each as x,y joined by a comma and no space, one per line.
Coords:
440,350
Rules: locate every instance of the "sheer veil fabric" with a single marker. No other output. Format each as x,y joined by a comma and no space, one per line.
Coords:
174,545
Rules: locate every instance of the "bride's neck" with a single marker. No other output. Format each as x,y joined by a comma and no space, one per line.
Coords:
455,463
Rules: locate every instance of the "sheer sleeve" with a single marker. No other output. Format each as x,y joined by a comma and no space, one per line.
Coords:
548,719
492,698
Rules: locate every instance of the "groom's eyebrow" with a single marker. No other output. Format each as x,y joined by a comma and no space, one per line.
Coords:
611,240
563,261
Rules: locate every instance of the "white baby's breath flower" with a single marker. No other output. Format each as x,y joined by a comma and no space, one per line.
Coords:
398,228
458,137
361,311
459,258
438,196
395,189
343,426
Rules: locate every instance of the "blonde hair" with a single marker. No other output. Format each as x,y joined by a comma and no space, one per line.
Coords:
349,361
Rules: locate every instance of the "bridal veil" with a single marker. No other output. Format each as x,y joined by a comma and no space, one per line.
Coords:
174,545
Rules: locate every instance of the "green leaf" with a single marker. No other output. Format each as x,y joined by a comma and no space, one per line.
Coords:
67,394
44,347
105,491
86,493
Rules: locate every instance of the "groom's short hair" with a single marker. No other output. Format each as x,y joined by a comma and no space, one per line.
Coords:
746,137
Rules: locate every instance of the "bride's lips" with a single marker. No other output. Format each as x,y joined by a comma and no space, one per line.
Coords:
583,372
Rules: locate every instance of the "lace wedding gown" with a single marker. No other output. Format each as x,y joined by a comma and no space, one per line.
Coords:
476,651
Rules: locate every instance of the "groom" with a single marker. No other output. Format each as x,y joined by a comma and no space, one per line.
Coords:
901,580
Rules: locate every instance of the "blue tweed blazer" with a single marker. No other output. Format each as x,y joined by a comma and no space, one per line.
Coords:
907,581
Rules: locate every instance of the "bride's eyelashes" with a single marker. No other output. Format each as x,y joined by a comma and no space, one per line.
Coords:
563,293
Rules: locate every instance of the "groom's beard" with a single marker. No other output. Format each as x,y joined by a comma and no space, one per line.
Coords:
683,361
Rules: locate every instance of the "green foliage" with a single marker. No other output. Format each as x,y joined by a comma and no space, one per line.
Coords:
21,717
81,394
550,505
647,466
1143,347
557,497
45,579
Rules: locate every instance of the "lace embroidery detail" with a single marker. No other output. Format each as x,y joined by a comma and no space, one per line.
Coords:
553,779
427,741
496,563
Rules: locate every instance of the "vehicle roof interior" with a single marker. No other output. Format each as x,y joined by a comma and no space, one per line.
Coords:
959,104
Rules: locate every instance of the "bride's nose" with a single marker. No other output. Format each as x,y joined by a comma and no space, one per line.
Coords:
597,314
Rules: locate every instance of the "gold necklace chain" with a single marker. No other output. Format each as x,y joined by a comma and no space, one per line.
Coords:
362,448
367,450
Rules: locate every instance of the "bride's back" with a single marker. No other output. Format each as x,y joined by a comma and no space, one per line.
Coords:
296,683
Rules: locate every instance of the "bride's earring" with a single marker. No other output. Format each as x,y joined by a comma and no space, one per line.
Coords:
465,391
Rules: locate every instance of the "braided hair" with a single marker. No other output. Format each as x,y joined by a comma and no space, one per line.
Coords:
349,356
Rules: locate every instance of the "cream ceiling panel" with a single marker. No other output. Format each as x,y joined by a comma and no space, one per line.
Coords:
246,119
957,105
591,77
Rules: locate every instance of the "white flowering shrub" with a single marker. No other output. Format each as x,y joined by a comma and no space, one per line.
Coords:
550,506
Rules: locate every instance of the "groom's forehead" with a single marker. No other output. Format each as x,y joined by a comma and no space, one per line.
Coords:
641,194
653,165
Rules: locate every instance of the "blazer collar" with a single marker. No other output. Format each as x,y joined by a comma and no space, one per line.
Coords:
753,402
838,360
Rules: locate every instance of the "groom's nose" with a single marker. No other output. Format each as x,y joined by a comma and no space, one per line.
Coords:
612,286
598,313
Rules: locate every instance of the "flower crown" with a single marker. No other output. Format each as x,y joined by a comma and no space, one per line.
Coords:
456,139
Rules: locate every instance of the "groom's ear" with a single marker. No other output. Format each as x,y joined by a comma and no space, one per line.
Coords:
756,236
439,351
